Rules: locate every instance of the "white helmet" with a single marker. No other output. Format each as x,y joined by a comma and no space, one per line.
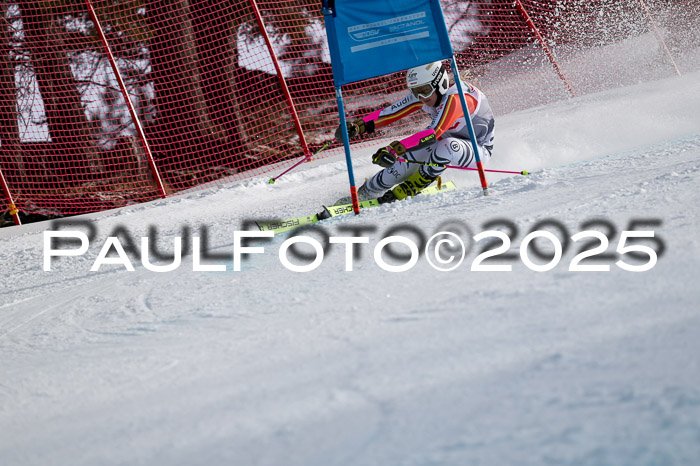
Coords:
426,79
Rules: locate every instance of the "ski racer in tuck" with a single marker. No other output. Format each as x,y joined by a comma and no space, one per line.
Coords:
444,142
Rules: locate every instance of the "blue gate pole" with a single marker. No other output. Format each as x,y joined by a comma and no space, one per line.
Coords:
346,145
470,127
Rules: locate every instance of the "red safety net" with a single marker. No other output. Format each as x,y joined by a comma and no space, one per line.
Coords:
223,90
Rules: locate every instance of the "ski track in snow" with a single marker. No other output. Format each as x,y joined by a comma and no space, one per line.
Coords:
267,367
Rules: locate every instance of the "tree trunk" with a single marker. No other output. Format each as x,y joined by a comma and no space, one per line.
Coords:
184,129
11,159
213,22
77,152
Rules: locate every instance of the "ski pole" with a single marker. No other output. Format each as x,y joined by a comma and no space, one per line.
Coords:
524,172
272,180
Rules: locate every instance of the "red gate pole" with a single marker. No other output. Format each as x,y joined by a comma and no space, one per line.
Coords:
10,202
127,99
659,37
283,83
526,17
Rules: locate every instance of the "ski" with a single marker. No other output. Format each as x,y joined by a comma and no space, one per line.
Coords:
342,209
281,226
335,210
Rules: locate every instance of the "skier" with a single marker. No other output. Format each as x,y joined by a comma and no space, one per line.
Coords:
444,142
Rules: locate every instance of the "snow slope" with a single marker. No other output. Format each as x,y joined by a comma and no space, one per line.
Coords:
267,366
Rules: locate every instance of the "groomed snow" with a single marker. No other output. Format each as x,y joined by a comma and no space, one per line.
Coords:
267,366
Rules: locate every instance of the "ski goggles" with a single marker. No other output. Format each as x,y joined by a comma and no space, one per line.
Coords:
424,91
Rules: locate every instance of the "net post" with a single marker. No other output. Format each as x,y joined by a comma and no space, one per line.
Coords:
127,100
280,77
10,202
659,37
550,56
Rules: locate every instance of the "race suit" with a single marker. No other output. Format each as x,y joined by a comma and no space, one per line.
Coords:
445,141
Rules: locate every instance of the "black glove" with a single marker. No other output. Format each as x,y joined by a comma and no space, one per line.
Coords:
355,130
386,156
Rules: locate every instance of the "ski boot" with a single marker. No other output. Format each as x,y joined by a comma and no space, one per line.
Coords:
411,187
